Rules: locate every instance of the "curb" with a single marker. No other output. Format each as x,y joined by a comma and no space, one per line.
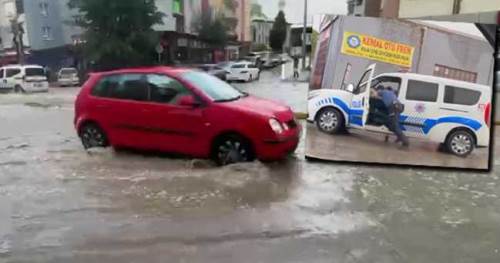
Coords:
300,115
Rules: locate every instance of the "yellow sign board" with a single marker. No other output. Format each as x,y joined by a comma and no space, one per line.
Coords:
370,47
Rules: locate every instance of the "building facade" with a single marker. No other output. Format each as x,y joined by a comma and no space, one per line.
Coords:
419,8
462,57
261,30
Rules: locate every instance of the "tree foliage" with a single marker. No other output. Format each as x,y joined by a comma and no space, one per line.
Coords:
278,32
256,11
212,29
118,33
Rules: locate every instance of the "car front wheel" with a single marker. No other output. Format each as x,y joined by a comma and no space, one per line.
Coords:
460,143
232,149
330,120
93,136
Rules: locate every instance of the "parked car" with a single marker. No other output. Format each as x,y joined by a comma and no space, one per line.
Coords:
243,71
182,111
214,70
456,114
68,77
23,78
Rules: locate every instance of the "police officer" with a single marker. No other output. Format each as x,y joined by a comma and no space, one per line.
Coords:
390,99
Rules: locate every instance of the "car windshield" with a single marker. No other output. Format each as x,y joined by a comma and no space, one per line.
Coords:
35,72
213,87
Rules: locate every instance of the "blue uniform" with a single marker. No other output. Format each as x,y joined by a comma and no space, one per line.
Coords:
388,97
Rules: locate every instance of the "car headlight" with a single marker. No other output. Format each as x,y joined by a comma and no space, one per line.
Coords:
276,126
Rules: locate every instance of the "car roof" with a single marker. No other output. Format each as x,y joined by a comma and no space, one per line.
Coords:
159,69
436,79
22,66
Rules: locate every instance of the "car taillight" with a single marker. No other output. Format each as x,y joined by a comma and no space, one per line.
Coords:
487,114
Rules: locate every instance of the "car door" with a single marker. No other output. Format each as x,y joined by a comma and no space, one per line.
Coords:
360,103
174,127
119,106
13,77
421,107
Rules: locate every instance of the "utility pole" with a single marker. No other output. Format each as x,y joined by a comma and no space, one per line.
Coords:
304,34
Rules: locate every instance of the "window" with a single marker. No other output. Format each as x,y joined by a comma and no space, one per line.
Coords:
127,87
1,73
461,96
393,82
165,90
422,91
46,32
10,72
35,72
362,85
239,66
213,87
453,73
44,8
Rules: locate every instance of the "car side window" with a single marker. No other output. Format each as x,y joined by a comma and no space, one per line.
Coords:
166,90
461,96
125,87
422,91
12,72
130,87
1,73
238,66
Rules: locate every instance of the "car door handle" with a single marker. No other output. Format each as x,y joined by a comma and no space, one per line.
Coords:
363,102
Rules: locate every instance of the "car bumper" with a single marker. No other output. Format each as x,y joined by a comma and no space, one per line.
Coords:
6,90
279,148
68,82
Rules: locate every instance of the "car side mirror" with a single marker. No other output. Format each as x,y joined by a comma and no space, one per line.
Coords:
350,88
189,101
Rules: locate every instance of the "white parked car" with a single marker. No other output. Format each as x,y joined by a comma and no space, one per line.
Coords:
454,113
68,77
23,78
243,71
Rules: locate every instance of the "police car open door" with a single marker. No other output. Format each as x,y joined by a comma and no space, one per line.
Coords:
360,103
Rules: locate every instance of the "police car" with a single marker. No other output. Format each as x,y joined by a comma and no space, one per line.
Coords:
454,113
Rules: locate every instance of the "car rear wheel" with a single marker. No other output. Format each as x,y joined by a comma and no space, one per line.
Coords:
330,120
232,149
93,136
460,143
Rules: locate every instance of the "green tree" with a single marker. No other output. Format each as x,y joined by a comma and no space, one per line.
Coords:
256,11
212,29
278,32
118,33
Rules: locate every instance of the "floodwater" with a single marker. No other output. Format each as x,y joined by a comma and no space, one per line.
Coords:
59,203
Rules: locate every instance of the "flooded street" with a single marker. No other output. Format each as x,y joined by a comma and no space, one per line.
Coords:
59,203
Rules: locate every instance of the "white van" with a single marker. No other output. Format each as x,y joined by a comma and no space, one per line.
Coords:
23,78
455,114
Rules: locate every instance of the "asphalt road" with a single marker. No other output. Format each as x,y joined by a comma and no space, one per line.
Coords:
59,203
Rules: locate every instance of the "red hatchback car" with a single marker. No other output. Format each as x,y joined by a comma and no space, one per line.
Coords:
182,111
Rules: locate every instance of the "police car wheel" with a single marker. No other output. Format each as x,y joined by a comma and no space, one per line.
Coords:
330,120
460,143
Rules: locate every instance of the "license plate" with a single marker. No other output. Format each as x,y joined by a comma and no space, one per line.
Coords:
38,85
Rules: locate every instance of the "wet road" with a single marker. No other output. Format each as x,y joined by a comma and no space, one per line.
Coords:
364,146
59,203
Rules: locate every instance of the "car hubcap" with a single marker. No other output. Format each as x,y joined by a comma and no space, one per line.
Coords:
461,144
92,137
232,152
328,121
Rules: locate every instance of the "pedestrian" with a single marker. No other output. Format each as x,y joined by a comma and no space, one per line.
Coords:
395,108
295,68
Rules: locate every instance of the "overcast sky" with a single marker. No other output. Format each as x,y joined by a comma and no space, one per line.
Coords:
294,9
